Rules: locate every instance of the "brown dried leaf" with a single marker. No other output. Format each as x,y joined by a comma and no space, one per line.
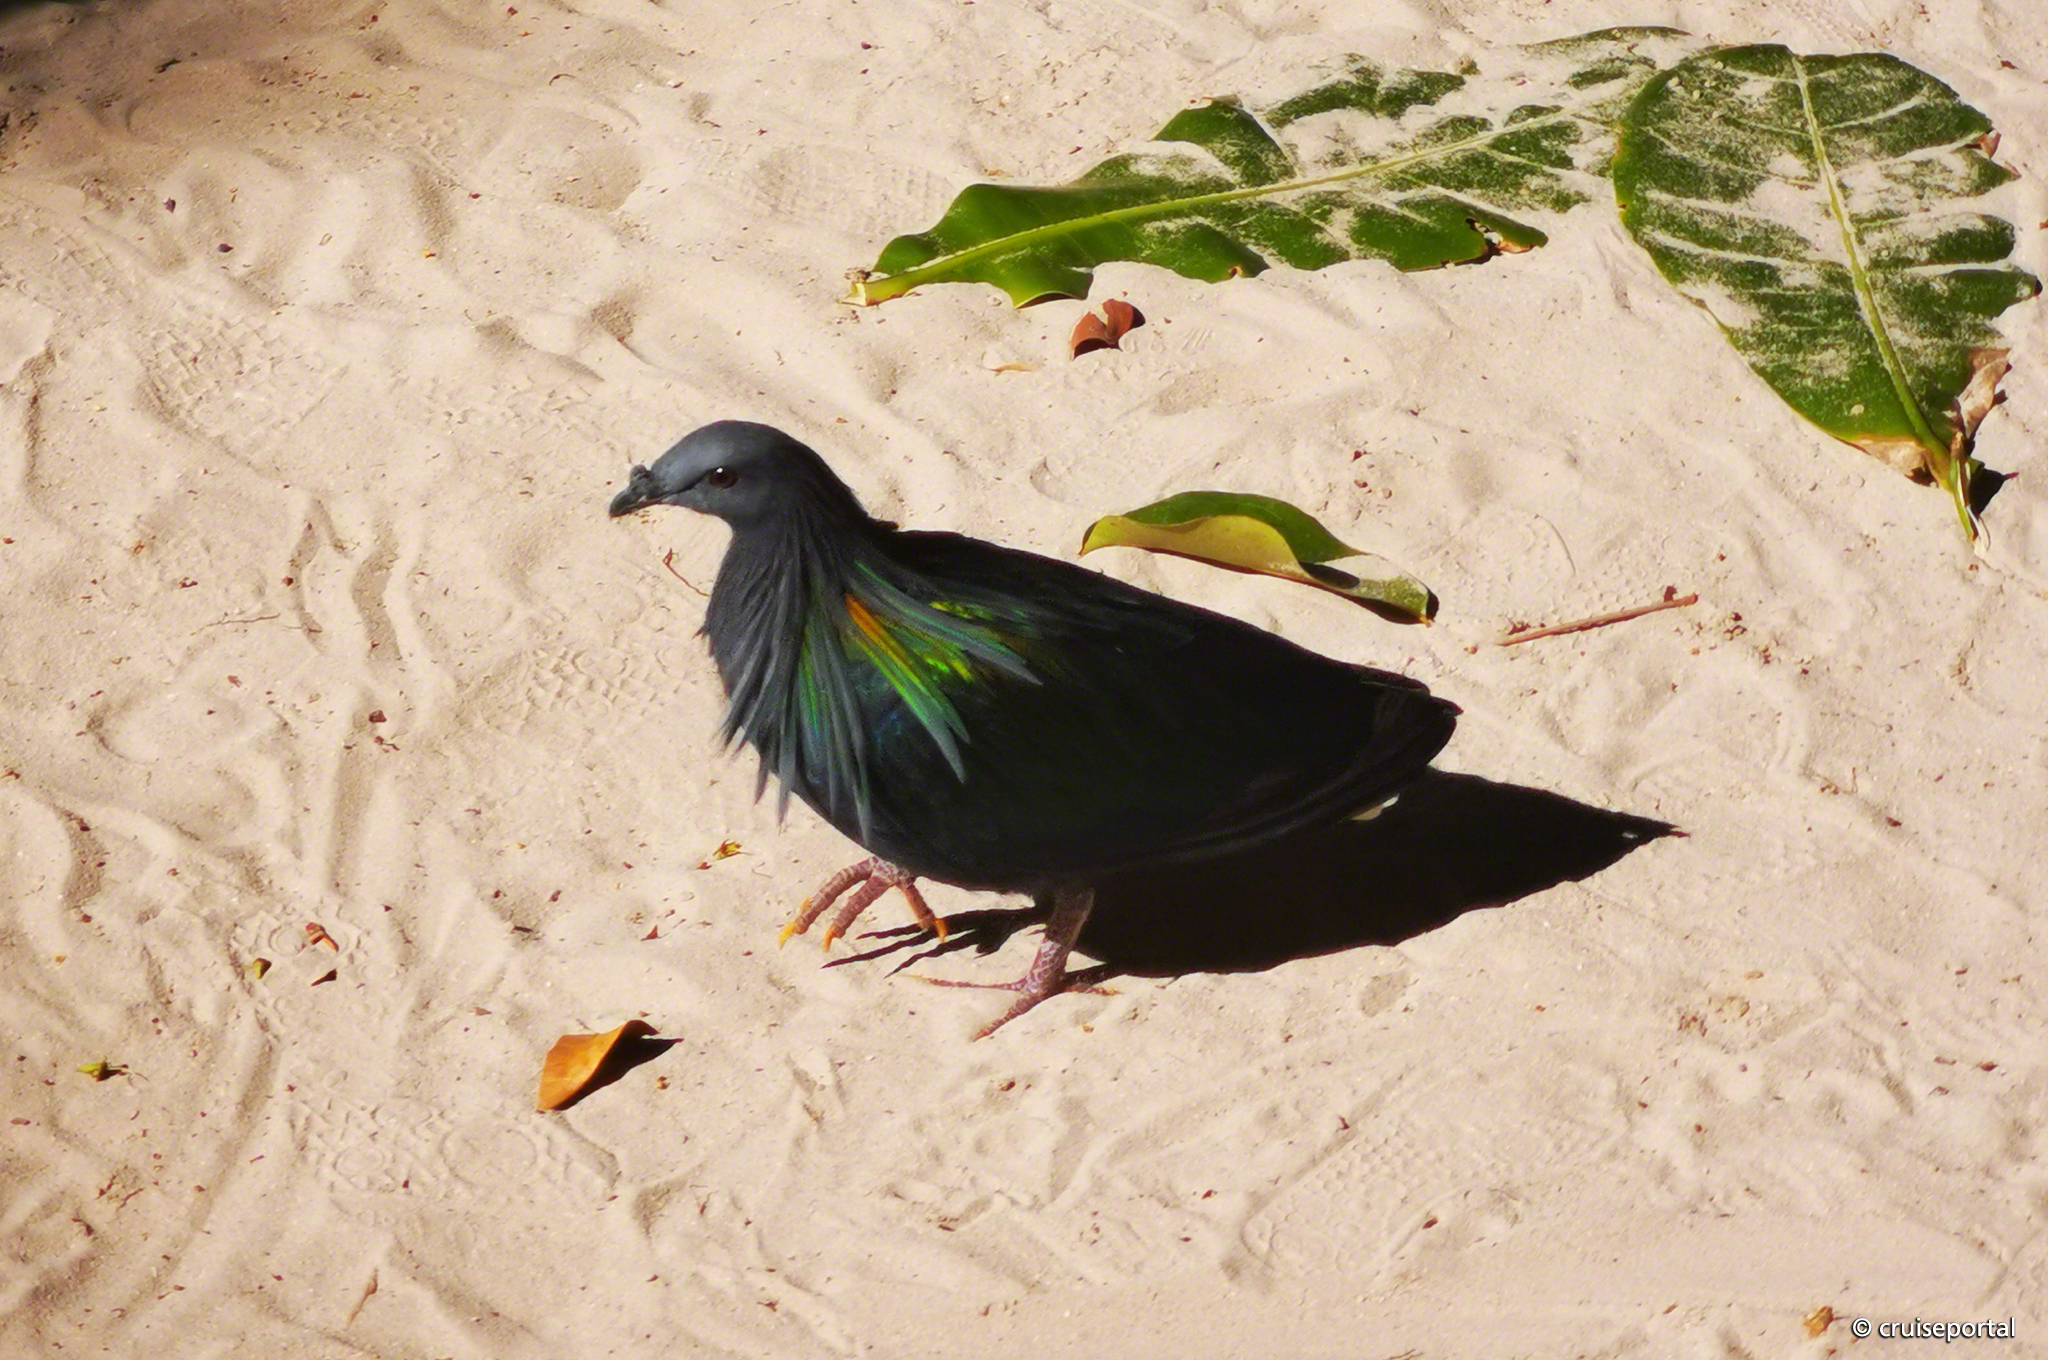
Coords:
576,1064
1090,334
1899,453
1093,332
1819,1320
1988,368
317,934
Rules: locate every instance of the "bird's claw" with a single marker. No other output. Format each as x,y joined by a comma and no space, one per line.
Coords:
1030,991
876,876
1048,975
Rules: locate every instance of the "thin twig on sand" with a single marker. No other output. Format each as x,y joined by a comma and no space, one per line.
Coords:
670,562
1672,600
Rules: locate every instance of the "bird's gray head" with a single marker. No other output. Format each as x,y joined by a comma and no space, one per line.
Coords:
744,473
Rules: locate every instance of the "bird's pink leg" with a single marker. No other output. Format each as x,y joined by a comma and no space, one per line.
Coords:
876,876
1048,975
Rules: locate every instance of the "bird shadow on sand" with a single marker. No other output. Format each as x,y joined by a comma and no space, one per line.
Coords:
1453,843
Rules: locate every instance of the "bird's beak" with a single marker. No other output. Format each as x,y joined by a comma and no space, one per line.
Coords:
638,495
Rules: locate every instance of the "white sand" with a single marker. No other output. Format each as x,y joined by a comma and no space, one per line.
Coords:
482,260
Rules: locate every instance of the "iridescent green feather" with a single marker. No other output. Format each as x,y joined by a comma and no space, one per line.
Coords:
922,650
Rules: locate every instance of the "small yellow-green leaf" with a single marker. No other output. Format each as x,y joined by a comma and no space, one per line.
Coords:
1305,538
103,1069
1263,535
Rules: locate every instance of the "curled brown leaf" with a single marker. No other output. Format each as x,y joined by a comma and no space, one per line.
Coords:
1106,331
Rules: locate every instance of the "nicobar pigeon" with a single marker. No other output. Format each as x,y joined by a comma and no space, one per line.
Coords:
1000,720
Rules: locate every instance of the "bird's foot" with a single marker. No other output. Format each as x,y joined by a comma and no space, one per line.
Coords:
1048,975
1032,989
876,876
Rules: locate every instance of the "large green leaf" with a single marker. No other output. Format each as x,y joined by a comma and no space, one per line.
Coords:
1815,206
1418,168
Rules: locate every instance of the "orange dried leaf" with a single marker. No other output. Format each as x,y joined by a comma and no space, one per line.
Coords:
1819,1320
577,1061
317,934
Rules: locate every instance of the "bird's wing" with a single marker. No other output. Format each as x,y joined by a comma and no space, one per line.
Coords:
993,715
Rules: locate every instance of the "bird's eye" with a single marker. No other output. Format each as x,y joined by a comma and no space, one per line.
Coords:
721,476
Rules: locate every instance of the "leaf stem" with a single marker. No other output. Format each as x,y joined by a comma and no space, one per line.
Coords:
1952,472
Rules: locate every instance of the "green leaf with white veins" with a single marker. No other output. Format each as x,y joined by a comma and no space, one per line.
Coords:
1417,168
1819,209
